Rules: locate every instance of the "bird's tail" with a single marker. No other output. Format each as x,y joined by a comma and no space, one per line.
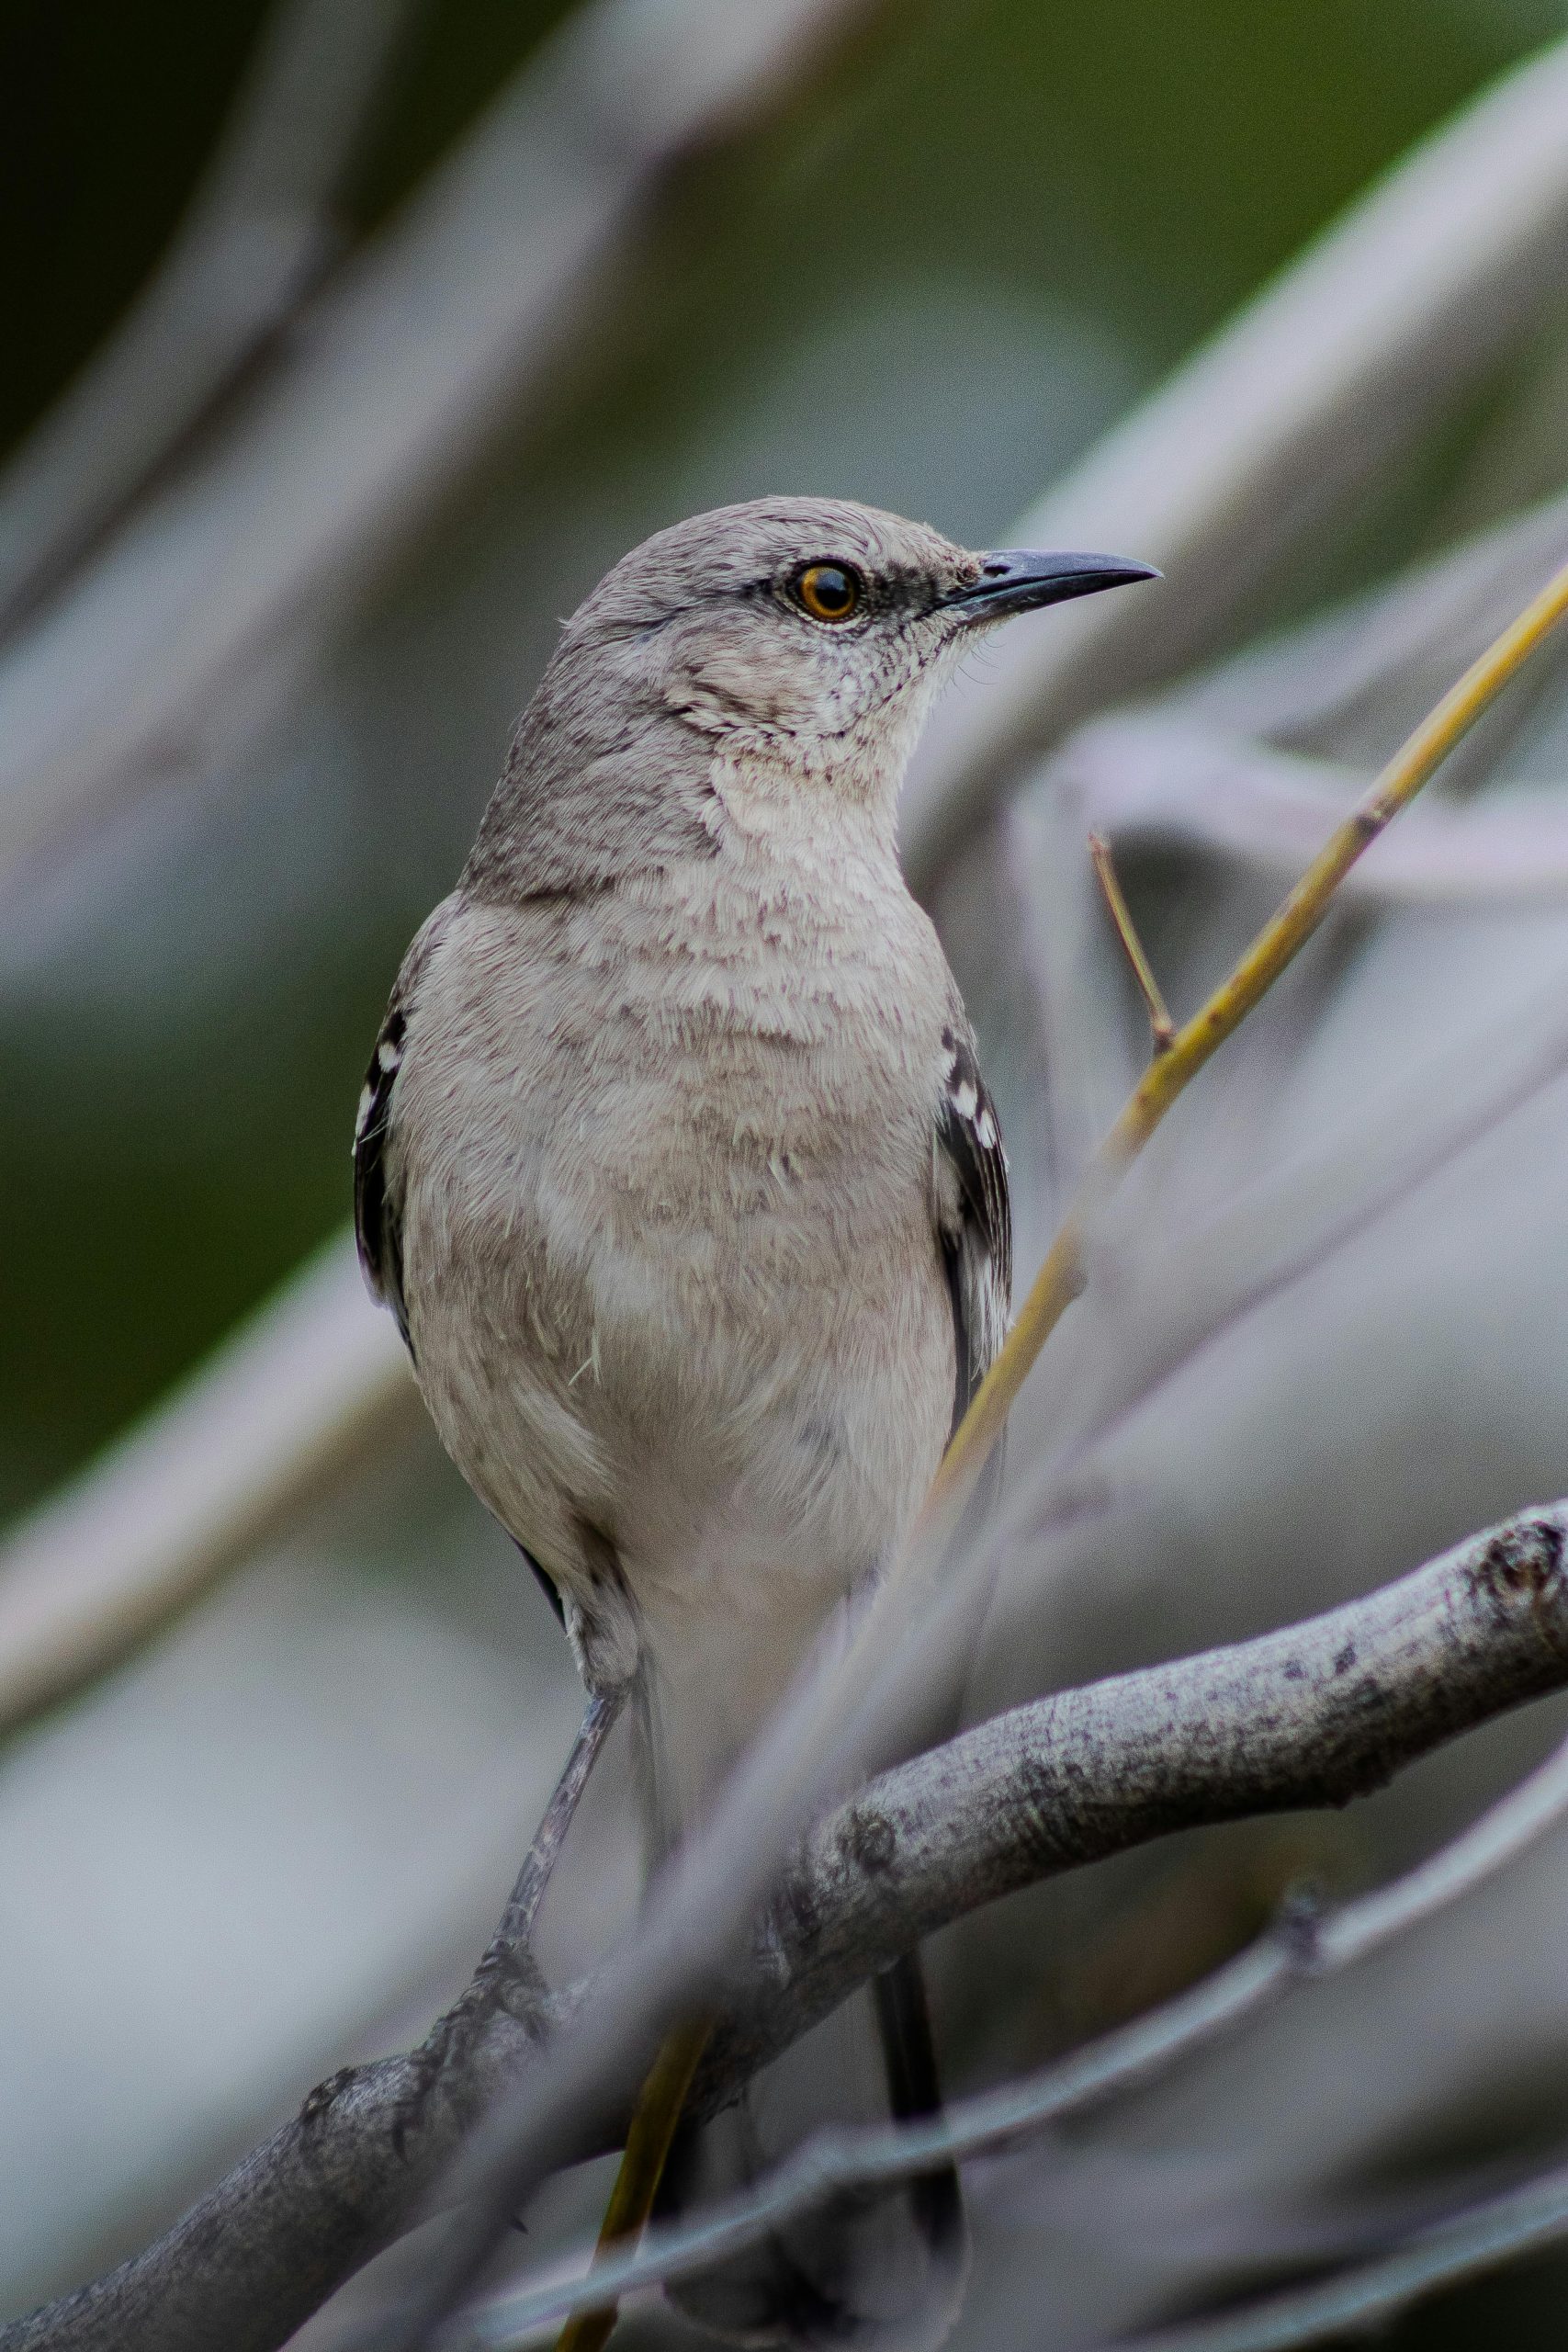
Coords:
874,2268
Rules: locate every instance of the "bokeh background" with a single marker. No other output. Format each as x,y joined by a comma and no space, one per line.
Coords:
251,705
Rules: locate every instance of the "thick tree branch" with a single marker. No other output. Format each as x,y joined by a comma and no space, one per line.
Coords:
1315,1714
1305,1946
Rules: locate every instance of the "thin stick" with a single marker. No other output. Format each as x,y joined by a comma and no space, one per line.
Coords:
1162,1028
1061,1277
517,1921
1480,2239
649,2141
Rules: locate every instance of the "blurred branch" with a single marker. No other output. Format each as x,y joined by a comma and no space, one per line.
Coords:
1372,334
1315,1714
387,386
258,237
1225,763
1304,1948
1157,783
139,1537
1379,659
1483,2238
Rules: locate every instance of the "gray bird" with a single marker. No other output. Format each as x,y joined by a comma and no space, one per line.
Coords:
676,1167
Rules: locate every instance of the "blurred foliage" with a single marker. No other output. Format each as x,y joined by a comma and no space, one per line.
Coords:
1023,216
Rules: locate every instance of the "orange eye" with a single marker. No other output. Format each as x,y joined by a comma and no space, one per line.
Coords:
829,591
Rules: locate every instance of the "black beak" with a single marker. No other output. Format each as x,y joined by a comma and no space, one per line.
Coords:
1016,580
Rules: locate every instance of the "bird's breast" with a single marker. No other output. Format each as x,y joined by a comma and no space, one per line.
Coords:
758,1060
683,1268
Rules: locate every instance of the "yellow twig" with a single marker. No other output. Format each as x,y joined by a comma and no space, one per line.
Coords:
652,2130
1162,1028
1060,1278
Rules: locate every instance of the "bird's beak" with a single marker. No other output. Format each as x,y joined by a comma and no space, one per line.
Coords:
1015,580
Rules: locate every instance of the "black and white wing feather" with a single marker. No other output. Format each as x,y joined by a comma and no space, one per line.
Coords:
377,1161
377,1206
973,1218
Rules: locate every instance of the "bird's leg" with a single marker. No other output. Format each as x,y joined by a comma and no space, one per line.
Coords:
508,1957
600,1717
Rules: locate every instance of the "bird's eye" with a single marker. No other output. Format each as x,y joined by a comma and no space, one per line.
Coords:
828,591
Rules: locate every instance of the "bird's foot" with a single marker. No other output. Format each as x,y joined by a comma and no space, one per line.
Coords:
507,1978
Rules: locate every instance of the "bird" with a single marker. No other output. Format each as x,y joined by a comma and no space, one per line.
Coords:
675,1163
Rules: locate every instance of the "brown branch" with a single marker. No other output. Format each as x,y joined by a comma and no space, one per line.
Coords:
1162,1028
1315,1714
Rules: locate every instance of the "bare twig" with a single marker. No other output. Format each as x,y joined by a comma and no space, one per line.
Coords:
1480,2239
1305,1947
1315,1714
1162,1028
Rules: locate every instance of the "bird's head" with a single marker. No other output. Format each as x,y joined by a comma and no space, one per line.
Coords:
763,664
811,627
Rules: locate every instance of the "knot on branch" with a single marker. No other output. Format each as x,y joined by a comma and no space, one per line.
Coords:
1522,1561
319,2102
867,1840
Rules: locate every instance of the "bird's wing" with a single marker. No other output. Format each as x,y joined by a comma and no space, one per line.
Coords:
378,1193
974,1219
378,1175
377,1161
